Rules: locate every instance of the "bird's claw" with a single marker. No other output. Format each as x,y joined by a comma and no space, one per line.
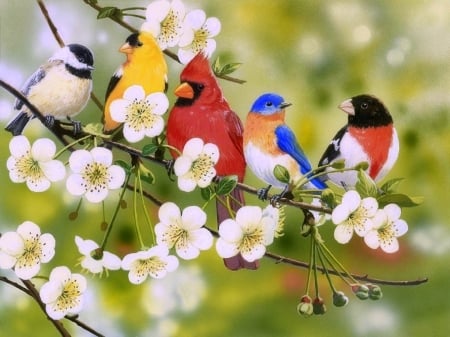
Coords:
275,200
76,127
263,193
170,168
49,121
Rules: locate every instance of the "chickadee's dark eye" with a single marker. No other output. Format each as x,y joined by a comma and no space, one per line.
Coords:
364,105
268,104
81,59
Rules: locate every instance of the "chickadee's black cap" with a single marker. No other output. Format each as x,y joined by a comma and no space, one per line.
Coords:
82,53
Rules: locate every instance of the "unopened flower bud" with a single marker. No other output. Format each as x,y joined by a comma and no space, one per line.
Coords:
338,164
361,291
305,307
362,166
340,299
319,307
375,292
328,197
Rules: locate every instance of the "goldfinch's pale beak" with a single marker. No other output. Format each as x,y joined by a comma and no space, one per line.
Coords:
184,90
347,107
126,48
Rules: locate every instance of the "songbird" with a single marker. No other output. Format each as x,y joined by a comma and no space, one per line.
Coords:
202,111
145,66
59,88
268,142
369,136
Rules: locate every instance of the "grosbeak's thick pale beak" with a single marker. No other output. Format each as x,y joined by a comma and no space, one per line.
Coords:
347,107
184,90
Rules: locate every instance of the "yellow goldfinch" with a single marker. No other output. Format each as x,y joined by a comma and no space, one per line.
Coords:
60,88
145,66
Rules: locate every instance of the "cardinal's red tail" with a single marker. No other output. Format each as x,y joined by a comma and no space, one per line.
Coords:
236,201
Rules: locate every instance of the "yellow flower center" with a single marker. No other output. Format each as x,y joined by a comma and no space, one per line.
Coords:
201,166
96,176
251,238
28,168
32,252
69,297
140,115
200,38
153,264
170,27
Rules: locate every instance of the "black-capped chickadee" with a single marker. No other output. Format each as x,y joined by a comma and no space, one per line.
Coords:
59,89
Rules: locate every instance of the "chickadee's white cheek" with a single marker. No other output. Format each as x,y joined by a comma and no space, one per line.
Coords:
60,94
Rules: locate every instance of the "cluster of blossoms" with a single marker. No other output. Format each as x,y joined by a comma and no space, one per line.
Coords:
92,172
193,32
380,228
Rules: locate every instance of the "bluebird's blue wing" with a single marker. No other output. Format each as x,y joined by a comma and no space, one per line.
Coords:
287,142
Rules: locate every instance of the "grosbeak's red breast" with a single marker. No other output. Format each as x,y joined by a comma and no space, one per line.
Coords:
369,136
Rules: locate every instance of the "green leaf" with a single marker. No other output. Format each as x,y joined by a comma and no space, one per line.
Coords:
206,193
282,174
147,176
390,186
226,185
401,200
216,65
365,186
329,197
230,68
109,12
149,149
124,165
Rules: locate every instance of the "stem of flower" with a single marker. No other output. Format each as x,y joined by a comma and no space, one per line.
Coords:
135,212
68,146
319,253
133,9
116,211
146,215
311,253
331,258
135,15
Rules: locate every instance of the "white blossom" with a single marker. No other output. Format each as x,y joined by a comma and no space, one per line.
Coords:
197,35
93,174
25,250
93,263
195,167
248,234
353,214
155,262
34,164
63,293
184,231
164,20
140,114
387,227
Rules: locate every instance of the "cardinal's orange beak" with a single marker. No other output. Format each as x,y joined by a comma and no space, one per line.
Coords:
184,90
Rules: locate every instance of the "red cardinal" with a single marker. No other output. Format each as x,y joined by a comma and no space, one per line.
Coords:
202,111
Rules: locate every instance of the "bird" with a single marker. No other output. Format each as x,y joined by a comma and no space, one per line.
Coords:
201,111
145,66
268,142
369,136
59,88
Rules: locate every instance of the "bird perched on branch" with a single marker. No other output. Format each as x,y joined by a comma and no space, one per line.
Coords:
145,66
202,111
269,142
59,89
369,136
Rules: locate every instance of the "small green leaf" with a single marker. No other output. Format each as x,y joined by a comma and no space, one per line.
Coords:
216,66
206,193
94,129
401,200
124,165
389,186
148,176
365,186
230,68
282,174
329,197
149,149
226,185
109,12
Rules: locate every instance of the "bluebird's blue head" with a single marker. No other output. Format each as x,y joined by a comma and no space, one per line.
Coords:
268,104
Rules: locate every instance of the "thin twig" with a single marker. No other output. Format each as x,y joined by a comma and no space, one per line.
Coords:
50,23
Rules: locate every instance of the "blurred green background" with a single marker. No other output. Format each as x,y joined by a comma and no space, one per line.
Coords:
316,54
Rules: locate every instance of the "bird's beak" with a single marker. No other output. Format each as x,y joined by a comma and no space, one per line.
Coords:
347,106
184,90
284,105
126,48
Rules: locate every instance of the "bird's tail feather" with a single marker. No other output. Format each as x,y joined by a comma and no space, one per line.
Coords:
235,202
17,125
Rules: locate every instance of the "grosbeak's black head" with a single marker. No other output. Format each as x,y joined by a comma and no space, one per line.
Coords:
366,111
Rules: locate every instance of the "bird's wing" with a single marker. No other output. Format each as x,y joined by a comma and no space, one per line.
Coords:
113,82
287,142
37,76
333,150
235,130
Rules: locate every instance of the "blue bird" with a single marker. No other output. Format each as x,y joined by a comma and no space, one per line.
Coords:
268,142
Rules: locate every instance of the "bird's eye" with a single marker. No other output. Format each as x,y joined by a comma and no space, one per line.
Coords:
200,86
81,59
364,105
269,104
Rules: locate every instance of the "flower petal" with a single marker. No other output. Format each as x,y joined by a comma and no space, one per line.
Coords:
118,110
193,218
169,213
400,227
372,240
226,249
102,155
116,177
19,146
213,26
132,133
11,243
186,183
182,165
230,231
79,159
76,185
53,170
201,238
134,92
195,19
343,233
248,215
